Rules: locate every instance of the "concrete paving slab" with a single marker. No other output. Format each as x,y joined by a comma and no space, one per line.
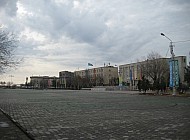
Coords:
9,131
59,114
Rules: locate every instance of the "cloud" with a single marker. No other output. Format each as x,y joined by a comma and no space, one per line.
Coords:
67,34
9,7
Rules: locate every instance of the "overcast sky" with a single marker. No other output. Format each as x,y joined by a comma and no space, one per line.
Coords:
58,35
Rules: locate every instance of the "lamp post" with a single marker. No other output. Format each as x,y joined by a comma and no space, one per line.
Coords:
173,63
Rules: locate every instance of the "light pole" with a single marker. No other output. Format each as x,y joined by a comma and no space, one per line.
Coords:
173,63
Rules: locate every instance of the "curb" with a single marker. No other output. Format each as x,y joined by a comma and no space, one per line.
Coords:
17,124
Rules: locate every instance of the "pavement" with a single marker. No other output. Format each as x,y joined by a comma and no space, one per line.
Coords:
9,130
109,115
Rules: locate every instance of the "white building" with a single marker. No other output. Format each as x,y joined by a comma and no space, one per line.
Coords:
129,74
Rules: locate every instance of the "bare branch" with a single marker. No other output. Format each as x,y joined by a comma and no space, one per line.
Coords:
8,44
155,67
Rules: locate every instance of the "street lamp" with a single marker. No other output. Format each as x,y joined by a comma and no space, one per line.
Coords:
173,63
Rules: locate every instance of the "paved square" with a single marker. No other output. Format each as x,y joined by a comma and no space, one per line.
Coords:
61,114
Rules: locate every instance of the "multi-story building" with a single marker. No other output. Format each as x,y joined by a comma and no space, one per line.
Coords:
101,76
129,74
44,82
66,78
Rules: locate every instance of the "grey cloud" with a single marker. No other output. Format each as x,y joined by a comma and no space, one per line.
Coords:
90,27
181,2
3,3
86,29
9,6
103,31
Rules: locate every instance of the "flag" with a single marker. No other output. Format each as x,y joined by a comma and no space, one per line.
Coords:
171,73
139,72
89,64
131,75
176,73
120,81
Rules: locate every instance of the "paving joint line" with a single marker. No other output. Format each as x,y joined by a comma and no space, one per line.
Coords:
30,136
157,108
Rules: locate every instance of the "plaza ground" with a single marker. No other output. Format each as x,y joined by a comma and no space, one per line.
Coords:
109,115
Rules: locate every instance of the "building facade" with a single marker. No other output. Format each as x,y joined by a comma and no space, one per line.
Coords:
66,79
44,82
101,76
129,74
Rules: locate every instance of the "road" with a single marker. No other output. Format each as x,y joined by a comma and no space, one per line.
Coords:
62,114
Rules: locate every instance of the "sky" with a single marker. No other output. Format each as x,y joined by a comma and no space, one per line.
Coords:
66,35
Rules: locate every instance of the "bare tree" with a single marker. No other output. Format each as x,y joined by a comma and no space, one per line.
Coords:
156,69
8,44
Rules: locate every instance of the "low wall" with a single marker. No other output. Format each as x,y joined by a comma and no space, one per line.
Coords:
109,88
98,89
